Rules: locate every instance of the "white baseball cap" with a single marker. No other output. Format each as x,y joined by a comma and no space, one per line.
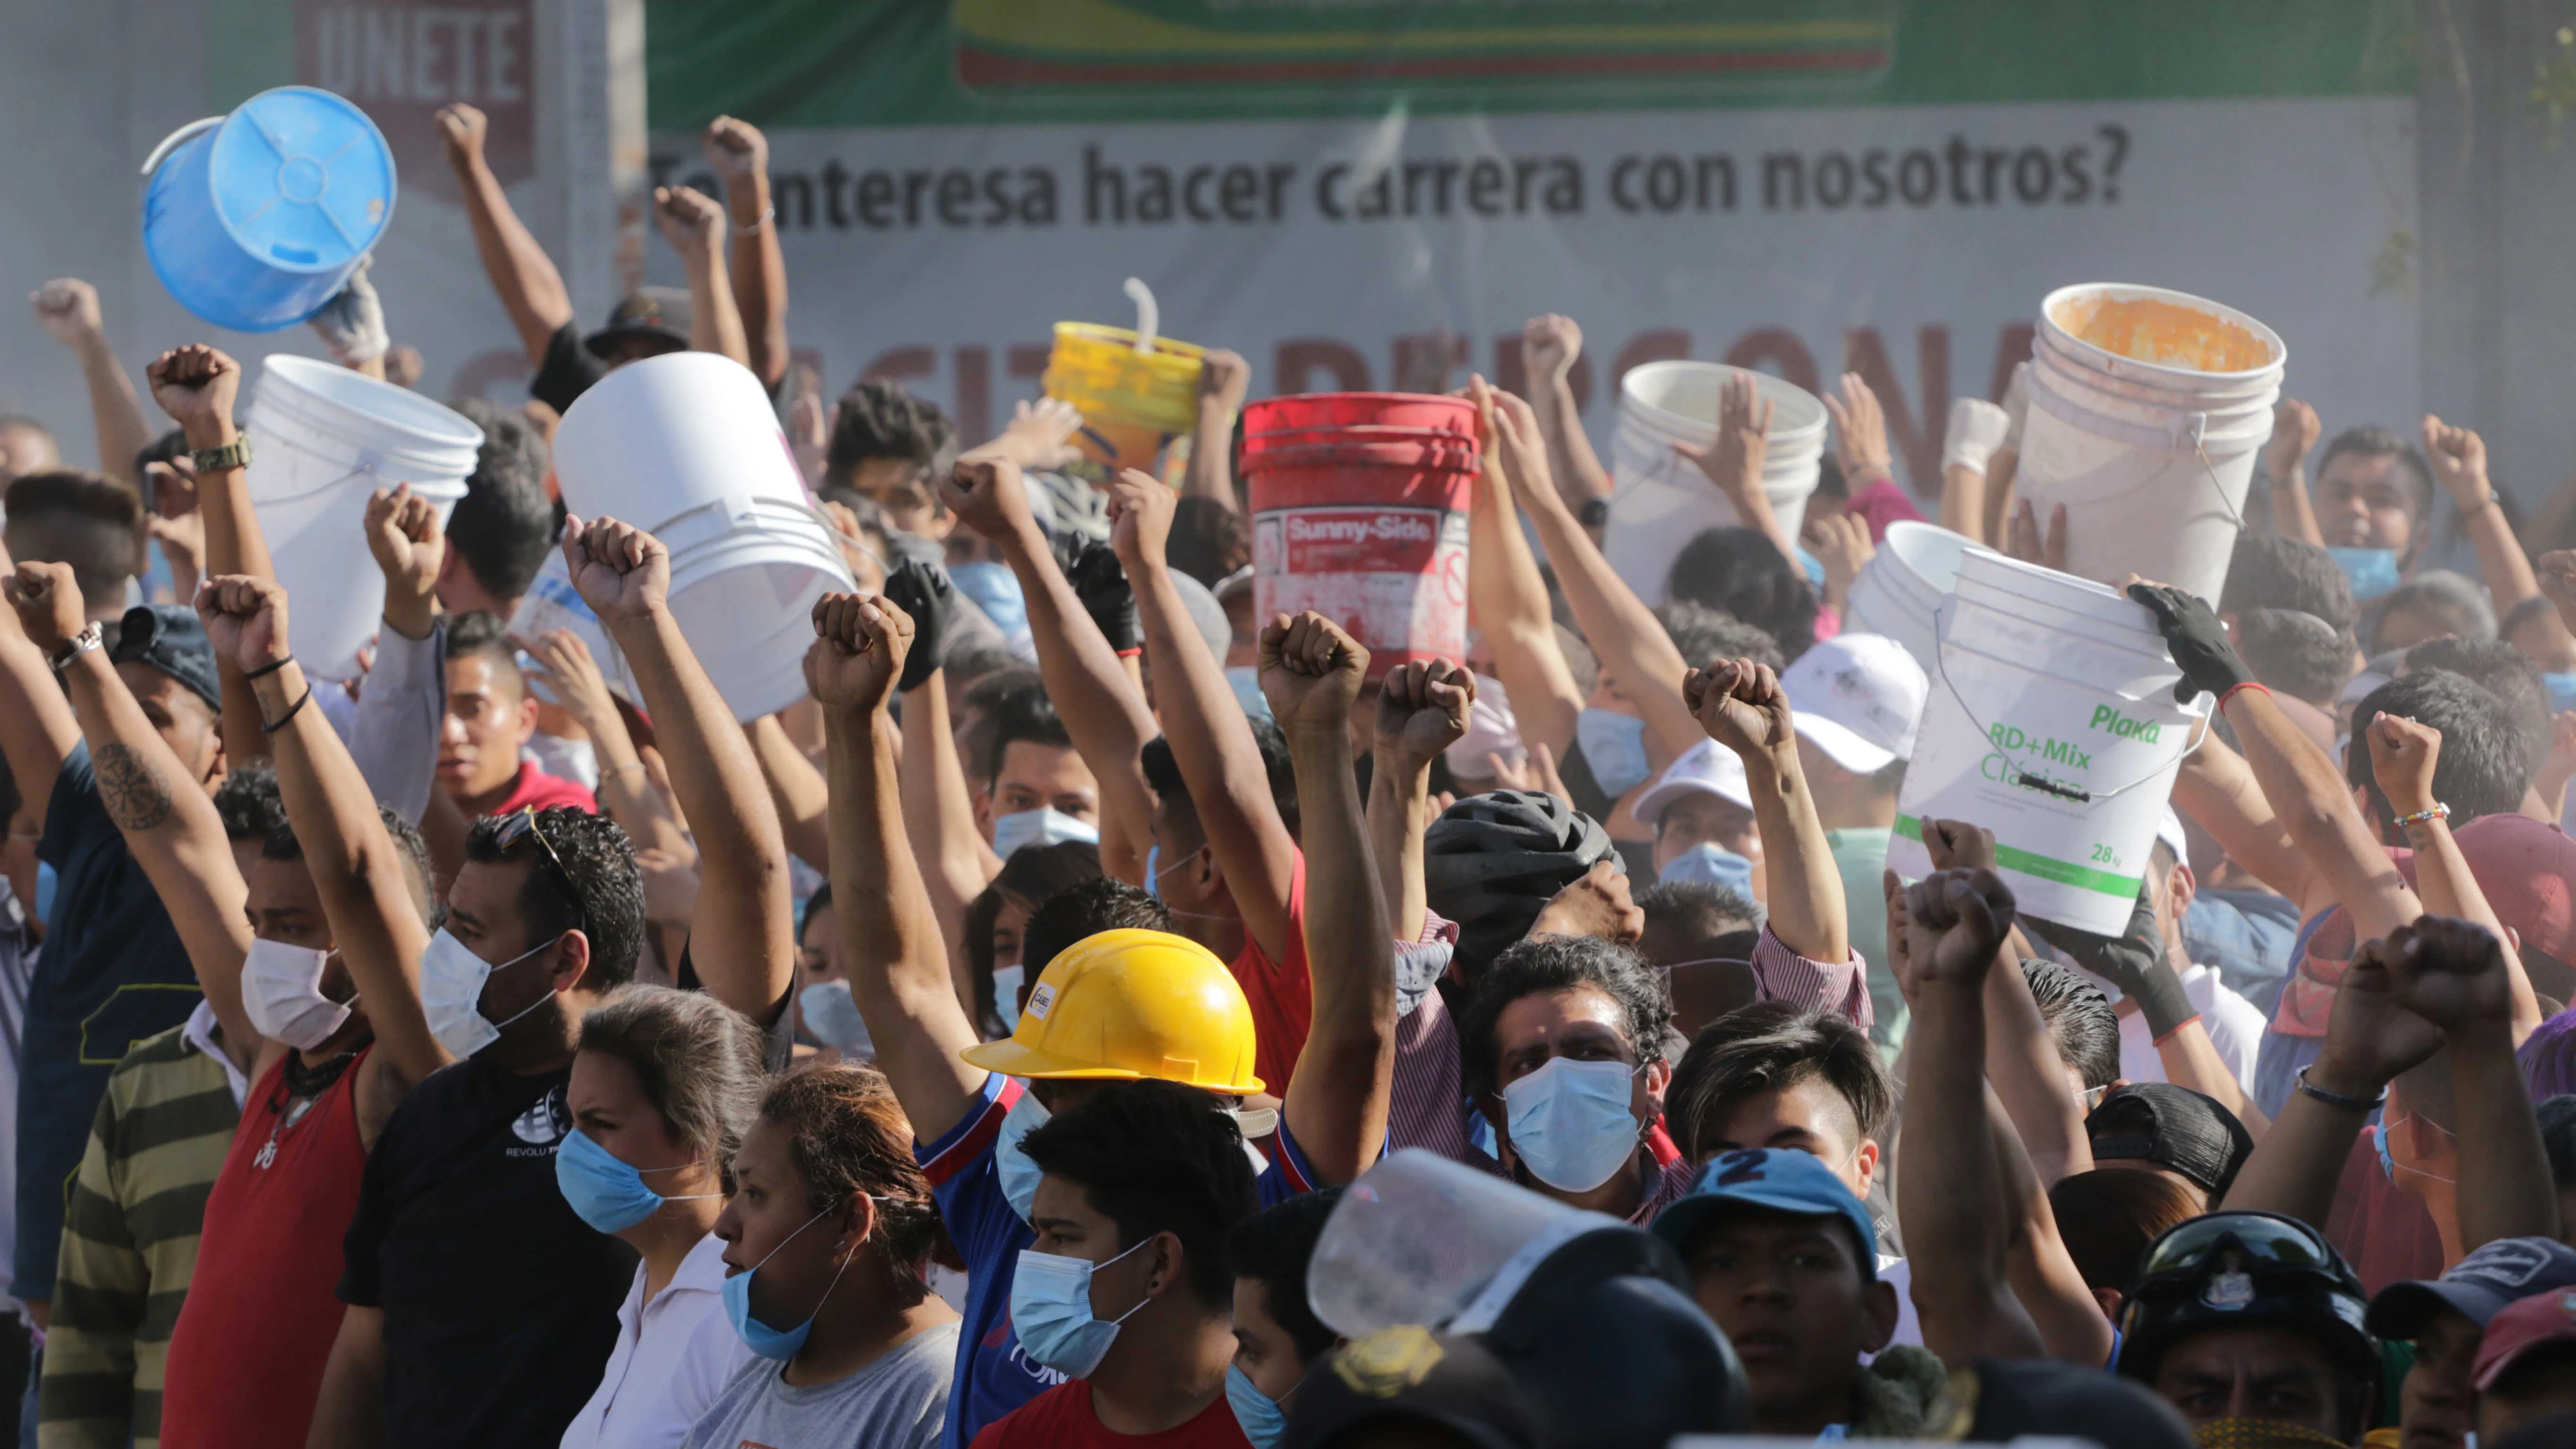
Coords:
2169,830
1706,768
1857,698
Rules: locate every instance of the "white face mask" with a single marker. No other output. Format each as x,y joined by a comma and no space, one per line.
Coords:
1046,826
282,991
451,994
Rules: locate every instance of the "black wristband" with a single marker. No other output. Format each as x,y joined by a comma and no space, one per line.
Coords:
2338,1099
292,711
269,668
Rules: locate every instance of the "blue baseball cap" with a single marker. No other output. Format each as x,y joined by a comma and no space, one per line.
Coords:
1780,1180
169,638
2479,1286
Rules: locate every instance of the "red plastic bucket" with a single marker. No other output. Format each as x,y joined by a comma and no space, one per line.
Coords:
1359,512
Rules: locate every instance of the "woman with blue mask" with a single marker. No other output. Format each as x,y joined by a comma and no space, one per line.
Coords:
661,1091
828,1238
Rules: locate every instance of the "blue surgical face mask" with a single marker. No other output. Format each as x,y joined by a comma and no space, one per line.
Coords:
46,881
1614,745
1155,870
1263,1419
1571,1123
2371,571
604,1190
2562,690
1019,1175
1246,680
759,1337
996,591
831,1017
1051,1311
1713,863
1044,826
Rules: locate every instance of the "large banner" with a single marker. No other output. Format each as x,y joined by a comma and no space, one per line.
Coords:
1378,193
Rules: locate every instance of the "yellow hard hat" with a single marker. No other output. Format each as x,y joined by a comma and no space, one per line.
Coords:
1129,1005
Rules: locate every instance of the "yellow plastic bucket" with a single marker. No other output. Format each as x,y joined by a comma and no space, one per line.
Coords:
1132,403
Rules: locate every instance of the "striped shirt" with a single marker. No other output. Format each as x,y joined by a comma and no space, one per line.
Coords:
130,1239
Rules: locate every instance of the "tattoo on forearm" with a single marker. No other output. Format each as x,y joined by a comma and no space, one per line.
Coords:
131,787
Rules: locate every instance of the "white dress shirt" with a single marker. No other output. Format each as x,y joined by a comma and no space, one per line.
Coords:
674,1355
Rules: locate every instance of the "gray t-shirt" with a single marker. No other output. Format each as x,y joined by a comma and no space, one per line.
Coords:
898,1402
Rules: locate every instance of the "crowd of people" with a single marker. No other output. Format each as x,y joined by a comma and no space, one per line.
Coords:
511,1047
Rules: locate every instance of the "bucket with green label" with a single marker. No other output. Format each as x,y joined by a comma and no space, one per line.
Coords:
2052,723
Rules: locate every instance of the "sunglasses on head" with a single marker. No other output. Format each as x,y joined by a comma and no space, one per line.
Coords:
524,822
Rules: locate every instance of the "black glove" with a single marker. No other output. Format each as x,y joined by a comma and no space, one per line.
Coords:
1100,581
2197,639
2134,961
923,591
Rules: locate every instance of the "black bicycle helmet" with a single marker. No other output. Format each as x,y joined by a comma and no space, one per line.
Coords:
1492,862
2230,1269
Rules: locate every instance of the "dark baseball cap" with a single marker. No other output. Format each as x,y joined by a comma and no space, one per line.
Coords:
2172,1127
1408,1374
660,313
169,638
2479,1286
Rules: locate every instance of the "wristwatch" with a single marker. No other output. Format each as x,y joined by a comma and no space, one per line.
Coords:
79,644
235,454
1594,513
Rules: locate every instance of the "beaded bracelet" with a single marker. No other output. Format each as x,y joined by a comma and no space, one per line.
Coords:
2439,811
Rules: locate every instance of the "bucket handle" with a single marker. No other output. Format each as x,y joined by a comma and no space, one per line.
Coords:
1149,317
172,141
2192,433
2023,777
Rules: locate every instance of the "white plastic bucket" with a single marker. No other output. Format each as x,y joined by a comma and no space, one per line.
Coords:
2064,744
323,439
552,603
687,447
2148,409
1660,500
1899,591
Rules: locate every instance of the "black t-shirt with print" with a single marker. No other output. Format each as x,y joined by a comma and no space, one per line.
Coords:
500,1304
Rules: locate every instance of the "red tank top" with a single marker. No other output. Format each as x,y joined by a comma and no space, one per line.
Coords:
247,1354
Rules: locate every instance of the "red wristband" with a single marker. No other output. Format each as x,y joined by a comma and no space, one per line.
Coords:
2188,1020
1131,653
2241,685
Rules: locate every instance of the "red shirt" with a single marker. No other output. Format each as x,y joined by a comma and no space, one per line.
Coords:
2384,1231
1281,993
247,1354
536,787
1062,1416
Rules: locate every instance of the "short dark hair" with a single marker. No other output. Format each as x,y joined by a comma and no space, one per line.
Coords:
1273,1248
2501,670
478,635
1702,634
1697,907
2486,761
1742,572
605,901
1163,776
2367,442
281,844
1208,540
1156,1157
1083,910
1772,1046
82,519
505,523
248,801
2110,1215
2080,1021
981,706
1559,963
2457,606
2267,571
2295,652
878,419
1024,714
848,1138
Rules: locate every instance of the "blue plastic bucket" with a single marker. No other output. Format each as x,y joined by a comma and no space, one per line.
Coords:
256,219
